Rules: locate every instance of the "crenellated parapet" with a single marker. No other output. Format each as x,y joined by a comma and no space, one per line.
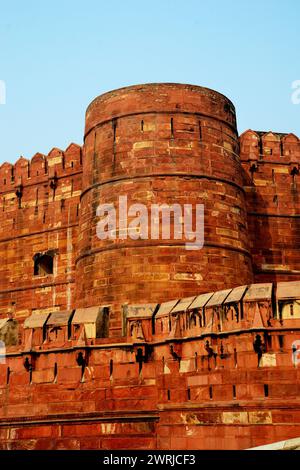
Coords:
269,147
264,308
246,308
212,364
271,163
40,167
42,186
39,213
267,155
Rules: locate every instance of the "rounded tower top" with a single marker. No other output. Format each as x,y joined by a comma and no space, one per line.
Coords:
163,145
159,97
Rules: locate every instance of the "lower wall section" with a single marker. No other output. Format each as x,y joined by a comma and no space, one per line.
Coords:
230,428
206,428
208,392
74,434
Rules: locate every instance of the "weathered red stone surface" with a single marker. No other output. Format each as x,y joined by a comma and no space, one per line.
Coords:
271,165
162,144
213,372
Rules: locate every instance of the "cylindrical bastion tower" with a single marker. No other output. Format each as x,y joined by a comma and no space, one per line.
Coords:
161,144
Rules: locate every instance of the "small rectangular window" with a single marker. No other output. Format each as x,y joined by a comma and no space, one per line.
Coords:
43,263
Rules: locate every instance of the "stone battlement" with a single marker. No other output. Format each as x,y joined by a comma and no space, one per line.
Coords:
123,343
208,363
26,172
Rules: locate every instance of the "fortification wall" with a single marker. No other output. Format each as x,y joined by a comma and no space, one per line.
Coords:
193,384
271,165
39,211
157,143
221,374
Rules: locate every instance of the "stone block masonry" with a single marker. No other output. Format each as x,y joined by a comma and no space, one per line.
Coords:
123,343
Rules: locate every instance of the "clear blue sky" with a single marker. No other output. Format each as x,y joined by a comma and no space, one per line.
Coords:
55,57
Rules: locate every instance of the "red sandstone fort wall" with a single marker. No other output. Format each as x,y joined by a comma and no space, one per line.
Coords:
39,212
156,380
271,163
153,143
176,393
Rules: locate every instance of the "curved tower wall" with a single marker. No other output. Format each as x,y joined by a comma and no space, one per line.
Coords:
164,144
